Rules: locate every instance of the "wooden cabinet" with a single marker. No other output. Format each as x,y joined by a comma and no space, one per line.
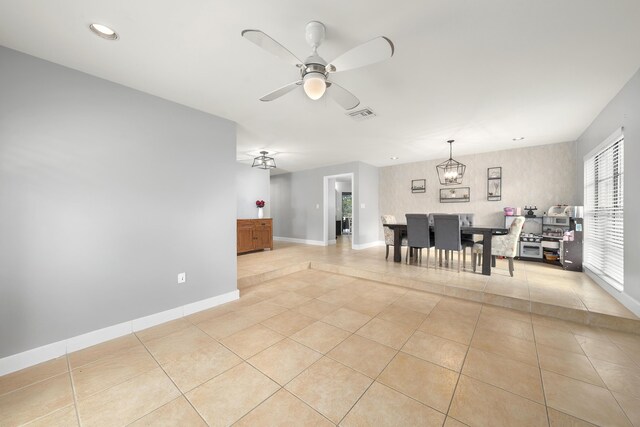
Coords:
254,234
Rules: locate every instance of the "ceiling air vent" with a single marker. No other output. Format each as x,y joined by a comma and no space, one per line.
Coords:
360,115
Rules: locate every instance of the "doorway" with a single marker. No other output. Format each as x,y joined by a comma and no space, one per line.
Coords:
339,221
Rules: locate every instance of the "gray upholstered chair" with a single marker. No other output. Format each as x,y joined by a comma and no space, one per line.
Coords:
505,245
447,236
418,235
388,233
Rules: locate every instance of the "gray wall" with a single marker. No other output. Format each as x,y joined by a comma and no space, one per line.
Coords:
294,197
252,184
542,175
106,194
622,111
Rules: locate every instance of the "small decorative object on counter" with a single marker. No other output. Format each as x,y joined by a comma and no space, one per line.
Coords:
509,211
530,210
260,205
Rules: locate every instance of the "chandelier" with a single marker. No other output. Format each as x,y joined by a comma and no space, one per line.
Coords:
264,162
450,172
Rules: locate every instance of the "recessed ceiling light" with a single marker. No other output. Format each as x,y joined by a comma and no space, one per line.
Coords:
104,31
519,138
395,158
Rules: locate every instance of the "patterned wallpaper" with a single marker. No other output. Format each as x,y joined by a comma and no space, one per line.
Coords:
542,176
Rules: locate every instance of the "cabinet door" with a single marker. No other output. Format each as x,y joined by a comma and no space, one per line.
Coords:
245,239
262,236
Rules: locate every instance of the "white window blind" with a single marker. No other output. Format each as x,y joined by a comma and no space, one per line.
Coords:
604,210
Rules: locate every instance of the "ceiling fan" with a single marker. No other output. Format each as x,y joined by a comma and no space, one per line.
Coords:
315,71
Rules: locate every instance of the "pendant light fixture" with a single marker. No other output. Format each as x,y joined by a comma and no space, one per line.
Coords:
264,162
450,172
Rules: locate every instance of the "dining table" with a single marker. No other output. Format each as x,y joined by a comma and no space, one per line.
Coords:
400,230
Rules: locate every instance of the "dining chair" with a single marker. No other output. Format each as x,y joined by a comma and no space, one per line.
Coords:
418,235
388,233
505,245
448,238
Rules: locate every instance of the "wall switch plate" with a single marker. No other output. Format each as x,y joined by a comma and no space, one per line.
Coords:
361,205
182,278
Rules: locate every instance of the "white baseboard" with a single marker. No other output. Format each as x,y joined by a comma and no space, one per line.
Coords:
625,299
333,242
369,245
37,355
303,241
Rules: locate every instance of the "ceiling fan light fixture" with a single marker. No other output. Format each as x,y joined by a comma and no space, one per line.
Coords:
263,161
315,85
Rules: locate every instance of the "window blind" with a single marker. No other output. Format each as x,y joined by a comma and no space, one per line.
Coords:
604,210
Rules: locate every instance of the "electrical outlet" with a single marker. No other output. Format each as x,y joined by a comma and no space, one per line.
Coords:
182,278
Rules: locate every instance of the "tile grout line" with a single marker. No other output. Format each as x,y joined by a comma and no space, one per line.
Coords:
73,391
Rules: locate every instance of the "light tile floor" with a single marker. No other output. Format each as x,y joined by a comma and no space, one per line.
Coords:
315,348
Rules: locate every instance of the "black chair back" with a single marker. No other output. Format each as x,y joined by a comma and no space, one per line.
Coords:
447,232
418,231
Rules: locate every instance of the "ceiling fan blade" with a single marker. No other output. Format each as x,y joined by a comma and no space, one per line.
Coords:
271,46
346,99
367,53
282,91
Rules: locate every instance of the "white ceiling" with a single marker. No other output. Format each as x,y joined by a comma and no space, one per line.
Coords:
480,72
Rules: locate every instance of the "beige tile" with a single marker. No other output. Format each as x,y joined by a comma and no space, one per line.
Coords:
260,311
224,399
631,406
447,325
619,378
452,422
199,366
418,301
522,316
285,360
111,370
505,373
424,381
570,364
127,401
480,404
329,387
346,319
399,314
505,345
370,307
338,296
176,413
65,417
313,291
363,355
560,419
36,400
320,336
163,329
605,350
316,308
33,374
178,344
382,406
208,314
283,409
391,334
505,326
467,310
91,354
288,323
227,324
251,341
289,299
585,401
558,339
440,351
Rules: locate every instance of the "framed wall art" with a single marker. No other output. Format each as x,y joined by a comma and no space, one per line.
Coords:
455,195
419,186
494,184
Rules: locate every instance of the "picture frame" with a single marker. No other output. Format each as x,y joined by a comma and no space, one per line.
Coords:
494,184
419,186
455,195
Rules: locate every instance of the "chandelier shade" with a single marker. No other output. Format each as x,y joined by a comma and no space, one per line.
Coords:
450,172
264,162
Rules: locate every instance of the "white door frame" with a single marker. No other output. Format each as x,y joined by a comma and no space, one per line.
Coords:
325,202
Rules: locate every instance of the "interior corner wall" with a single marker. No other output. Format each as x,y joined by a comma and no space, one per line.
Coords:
622,111
542,176
252,184
298,206
107,194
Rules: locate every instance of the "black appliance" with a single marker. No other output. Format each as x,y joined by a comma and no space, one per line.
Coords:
571,249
